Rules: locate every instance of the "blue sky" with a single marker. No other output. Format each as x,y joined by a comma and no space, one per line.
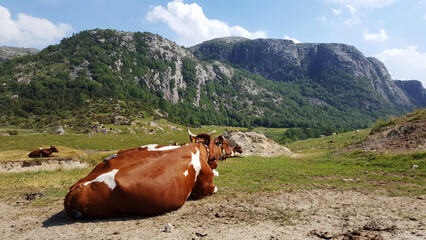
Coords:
394,31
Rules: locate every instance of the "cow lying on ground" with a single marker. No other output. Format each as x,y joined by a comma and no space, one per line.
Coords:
43,152
149,182
220,153
235,149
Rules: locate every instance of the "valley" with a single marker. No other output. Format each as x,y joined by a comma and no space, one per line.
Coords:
310,194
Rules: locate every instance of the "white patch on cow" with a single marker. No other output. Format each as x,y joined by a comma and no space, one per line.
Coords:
108,178
185,173
215,189
152,147
215,173
195,162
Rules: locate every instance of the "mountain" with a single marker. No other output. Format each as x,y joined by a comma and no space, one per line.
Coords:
7,53
317,63
414,90
105,75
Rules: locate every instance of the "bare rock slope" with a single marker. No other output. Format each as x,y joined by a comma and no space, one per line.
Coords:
7,53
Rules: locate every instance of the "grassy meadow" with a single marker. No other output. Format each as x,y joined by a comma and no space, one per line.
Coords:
314,165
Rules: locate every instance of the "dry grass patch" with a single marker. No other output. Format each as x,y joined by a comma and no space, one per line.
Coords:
22,155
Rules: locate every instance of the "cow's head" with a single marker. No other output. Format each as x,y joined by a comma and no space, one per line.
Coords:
213,147
205,138
54,149
237,148
225,149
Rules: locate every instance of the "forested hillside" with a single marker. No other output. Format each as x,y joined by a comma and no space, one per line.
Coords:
102,75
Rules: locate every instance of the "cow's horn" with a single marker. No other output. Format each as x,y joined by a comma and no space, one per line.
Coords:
191,134
211,133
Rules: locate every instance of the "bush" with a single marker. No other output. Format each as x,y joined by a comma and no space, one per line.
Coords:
13,132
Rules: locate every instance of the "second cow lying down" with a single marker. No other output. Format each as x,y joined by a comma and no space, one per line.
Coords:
148,182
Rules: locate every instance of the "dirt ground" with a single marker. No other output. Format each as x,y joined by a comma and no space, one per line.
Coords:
314,214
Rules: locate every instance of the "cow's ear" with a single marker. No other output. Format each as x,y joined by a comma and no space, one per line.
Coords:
206,139
191,138
220,139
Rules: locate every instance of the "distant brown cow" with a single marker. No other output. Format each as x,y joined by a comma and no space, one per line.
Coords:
43,152
237,148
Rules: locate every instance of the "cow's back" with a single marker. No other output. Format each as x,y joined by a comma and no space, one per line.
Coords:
163,182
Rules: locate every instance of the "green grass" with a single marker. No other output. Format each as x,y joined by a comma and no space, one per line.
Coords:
324,171
316,166
328,144
273,133
52,184
30,140
411,117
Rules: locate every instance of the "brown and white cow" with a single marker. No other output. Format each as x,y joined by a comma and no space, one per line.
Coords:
149,182
217,153
43,152
235,149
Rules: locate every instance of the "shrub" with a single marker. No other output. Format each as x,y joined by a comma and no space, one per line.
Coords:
13,132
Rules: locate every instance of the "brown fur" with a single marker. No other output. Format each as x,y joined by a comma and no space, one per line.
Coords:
43,152
148,183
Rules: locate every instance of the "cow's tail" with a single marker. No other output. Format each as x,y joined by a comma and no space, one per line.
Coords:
71,211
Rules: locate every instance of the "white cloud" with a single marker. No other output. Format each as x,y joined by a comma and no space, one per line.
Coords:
28,31
192,26
365,4
351,9
406,63
292,39
357,8
375,37
336,11
351,18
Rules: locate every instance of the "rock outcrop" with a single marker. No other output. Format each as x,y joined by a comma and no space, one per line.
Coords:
254,143
415,90
7,53
170,81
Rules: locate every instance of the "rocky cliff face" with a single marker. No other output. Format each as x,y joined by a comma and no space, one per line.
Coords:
7,53
283,60
167,51
415,90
